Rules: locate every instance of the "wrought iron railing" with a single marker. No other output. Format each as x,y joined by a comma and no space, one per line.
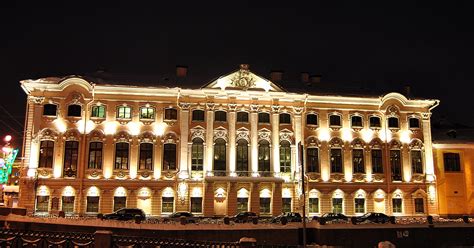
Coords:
16,239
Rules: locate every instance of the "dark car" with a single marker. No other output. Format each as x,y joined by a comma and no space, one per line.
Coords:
126,214
176,216
372,217
332,217
244,217
290,217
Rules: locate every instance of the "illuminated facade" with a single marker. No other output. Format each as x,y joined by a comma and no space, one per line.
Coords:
229,146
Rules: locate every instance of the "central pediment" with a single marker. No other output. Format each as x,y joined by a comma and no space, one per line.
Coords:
243,79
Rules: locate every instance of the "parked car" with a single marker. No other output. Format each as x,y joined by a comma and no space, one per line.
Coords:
176,216
332,217
126,214
372,217
243,217
290,217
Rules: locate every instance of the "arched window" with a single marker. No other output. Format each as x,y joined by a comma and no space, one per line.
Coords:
197,154
285,156
121,156
263,156
416,162
396,165
71,153
46,154
169,156
146,156
336,160
242,157
377,165
198,115
74,110
358,160
285,118
220,156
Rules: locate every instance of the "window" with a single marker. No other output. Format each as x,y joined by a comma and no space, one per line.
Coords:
374,121
74,110
419,206
197,154
198,115
377,166
359,205
336,160
124,112
68,204
263,118
397,205
416,162
196,204
169,156
42,203
50,109
171,114
285,118
264,205
264,156
220,116
167,204
242,156
312,119
286,205
219,155
121,156
147,113
451,162
414,122
95,155
242,204
120,202
242,117
358,160
285,156
46,154
356,121
335,120
395,164
312,159
393,122
92,204
98,111
146,156
313,205
337,205
70,158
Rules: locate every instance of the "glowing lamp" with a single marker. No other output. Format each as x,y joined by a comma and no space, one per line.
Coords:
7,138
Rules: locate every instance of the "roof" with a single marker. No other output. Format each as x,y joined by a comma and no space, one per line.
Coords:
445,132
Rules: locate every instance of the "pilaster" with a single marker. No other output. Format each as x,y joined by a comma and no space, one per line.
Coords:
184,131
275,122
254,138
232,143
209,138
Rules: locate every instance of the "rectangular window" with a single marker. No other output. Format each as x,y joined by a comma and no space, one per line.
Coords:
242,204
396,165
393,122
336,160
121,156
74,110
335,120
358,160
46,154
71,153
377,166
198,115
356,121
311,119
374,121
263,118
312,160
95,155
313,205
196,204
414,122
147,113
197,155
397,205
124,112
169,157
452,163
419,206
146,156
359,205
416,162
68,204
98,112
285,156
171,114
337,205
286,205
92,204
242,117
220,116
264,205
167,204
285,118
42,203
120,202
50,109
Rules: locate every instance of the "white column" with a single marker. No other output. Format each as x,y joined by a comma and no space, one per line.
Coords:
183,141
209,138
254,139
275,139
297,126
232,144
429,164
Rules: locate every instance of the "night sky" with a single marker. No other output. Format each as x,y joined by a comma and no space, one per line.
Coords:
378,45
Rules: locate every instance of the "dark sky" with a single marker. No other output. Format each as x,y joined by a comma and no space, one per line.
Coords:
378,45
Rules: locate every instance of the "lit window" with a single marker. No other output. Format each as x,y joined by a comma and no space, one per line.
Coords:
395,164
285,156
265,205
285,118
359,205
120,202
92,205
220,156
393,122
335,120
286,205
147,113
70,158
313,205
337,205
167,204
242,157
336,160
196,204
74,110
374,122
220,116
263,118
397,205
198,115
98,111
50,109
146,156
68,204
242,117
124,112
121,156
419,206
377,166
416,162
42,203
358,160
264,156
356,121
451,162
95,155
242,204
312,157
46,154
414,122
169,157
171,114
311,119
197,154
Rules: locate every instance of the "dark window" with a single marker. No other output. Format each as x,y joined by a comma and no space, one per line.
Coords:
414,122
242,156
121,156
46,154
198,115
196,204
312,158
396,165
336,160
146,156
98,111
220,116
335,120
396,205
263,156
419,206
285,156
375,121
377,166
242,204
95,155
147,113
167,204
50,109
92,204
311,119
68,204
337,205
120,202
416,162
70,158
263,118
451,162
42,203
393,122
124,112
314,205
356,121
197,154
171,114
220,155
264,205
358,160
242,117
285,118
286,205
169,157
74,110
359,205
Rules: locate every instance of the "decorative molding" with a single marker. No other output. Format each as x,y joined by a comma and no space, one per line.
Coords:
71,134
184,106
210,106
254,107
96,135
313,141
276,109
298,110
243,78
198,132
122,137
146,137
232,106
264,134
426,116
36,99
220,133
286,135
243,133
336,142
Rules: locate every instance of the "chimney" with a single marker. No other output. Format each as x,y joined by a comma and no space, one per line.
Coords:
315,79
407,91
181,71
305,78
276,76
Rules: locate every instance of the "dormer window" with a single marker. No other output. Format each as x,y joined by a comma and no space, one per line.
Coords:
414,122
242,117
285,118
74,110
98,111
50,109
124,112
220,116
374,122
393,122
311,119
356,121
147,113
171,114
335,120
263,118
198,115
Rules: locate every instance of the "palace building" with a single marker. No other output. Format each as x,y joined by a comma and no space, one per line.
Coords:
238,143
